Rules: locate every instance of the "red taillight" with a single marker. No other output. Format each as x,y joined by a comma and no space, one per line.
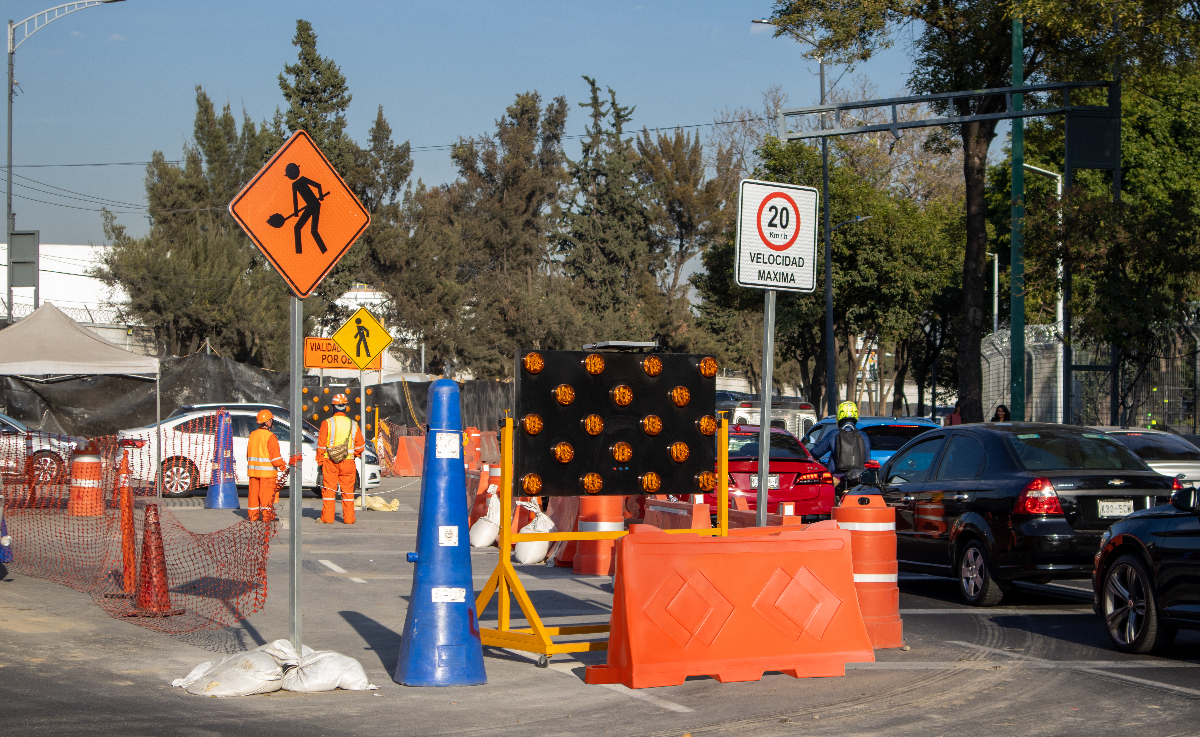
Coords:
131,443
1175,485
745,404
826,477
1038,497
805,406
872,464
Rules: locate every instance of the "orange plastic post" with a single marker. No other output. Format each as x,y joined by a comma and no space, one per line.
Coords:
598,514
872,526
87,493
128,534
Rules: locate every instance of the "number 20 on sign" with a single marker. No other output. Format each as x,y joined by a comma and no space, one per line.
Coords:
776,236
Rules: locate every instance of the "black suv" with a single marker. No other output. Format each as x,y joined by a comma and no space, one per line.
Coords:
999,502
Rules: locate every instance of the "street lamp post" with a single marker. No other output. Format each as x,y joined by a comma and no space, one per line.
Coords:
27,28
1063,371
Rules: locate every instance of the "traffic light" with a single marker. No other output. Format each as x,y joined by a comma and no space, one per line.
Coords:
614,423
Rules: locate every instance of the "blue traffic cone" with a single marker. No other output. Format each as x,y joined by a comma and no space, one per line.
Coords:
441,644
222,491
6,552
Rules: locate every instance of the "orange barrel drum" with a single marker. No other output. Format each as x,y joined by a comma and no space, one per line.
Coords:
598,514
87,497
929,518
872,526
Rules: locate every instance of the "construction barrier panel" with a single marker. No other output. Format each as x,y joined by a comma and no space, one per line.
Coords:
872,526
732,608
746,518
666,515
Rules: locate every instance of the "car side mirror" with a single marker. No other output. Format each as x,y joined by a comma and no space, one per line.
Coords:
1185,500
869,477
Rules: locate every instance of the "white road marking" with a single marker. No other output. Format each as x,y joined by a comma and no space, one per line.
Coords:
1093,668
639,694
357,580
332,566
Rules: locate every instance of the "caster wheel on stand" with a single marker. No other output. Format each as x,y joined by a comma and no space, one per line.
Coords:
543,662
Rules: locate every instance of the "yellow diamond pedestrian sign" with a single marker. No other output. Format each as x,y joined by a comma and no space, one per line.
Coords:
362,337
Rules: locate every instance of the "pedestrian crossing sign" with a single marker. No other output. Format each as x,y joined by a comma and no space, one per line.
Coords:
362,338
300,213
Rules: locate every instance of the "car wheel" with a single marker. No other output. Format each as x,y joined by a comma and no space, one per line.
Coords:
47,468
975,580
179,477
1130,609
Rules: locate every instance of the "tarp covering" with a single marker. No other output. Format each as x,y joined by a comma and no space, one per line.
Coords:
101,405
48,343
92,406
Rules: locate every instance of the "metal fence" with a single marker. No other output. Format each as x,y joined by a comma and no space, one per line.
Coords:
1162,394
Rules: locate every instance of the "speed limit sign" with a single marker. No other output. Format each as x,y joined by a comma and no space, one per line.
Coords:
776,236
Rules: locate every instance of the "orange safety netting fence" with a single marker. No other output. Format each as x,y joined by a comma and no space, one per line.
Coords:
64,512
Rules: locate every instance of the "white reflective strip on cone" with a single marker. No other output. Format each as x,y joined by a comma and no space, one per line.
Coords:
867,526
875,578
86,483
601,526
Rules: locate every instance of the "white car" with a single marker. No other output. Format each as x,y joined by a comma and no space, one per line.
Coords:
189,447
1165,452
44,456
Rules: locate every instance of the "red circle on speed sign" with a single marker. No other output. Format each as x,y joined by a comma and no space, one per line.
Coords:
780,223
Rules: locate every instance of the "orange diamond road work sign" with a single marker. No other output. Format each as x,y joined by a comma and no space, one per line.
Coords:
323,353
300,213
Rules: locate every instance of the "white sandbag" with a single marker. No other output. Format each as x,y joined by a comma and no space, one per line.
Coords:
284,653
487,528
325,670
243,674
534,551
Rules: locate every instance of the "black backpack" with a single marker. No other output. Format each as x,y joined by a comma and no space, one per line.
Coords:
849,450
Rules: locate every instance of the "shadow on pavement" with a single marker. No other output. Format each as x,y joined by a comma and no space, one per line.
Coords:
379,638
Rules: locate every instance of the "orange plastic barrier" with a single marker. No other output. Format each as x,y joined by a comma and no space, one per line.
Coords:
732,608
153,598
87,496
402,465
872,526
416,453
667,515
598,514
472,452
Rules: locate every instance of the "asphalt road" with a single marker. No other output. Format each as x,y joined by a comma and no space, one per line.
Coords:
1038,664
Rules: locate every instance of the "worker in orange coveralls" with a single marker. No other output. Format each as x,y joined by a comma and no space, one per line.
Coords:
263,464
338,444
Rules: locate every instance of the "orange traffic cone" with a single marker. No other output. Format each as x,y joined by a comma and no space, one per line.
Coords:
128,536
153,599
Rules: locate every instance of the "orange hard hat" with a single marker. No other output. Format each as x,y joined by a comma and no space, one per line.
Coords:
264,415
340,399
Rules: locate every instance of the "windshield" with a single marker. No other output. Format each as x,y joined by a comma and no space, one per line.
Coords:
15,423
892,437
1155,447
1060,451
783,446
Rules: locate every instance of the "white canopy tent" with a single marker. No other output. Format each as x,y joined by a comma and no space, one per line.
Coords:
48,346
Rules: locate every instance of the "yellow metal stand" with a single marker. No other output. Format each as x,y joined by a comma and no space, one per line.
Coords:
504,580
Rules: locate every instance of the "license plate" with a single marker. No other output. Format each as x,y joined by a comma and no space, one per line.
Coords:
772,481
1118,508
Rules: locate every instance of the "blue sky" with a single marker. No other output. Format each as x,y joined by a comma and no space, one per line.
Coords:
114,83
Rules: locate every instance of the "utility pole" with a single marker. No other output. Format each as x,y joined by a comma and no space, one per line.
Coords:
1016,320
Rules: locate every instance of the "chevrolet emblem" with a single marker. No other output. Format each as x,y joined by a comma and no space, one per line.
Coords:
1117,482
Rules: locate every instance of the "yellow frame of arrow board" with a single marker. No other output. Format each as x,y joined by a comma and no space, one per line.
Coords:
349,350
538,637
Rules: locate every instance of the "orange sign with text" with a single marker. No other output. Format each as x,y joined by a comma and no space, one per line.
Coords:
300,213
323,353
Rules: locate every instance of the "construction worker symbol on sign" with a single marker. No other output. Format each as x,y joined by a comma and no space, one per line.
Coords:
361,333
302,189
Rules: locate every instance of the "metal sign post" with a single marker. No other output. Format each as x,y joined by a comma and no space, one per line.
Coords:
296,484
776,250
362,428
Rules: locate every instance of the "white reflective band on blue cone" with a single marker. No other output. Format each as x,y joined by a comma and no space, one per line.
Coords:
601,526
875,578
867,526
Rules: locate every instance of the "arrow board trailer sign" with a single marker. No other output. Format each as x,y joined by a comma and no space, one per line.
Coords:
776,236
